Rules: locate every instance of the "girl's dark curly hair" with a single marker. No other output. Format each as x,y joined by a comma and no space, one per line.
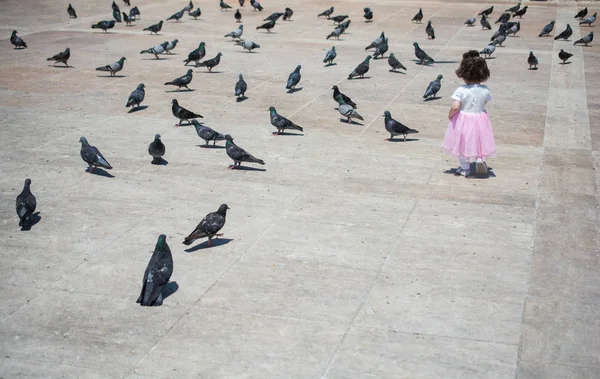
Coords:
473,68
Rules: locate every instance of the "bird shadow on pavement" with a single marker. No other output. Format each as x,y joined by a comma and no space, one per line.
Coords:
295,90
402,140
566,63
169,289
359,77
34,219
161,162
490,173
209,72
433,98
154,59
490,58
108,76
350,122
204,245
100,172
330,64
397,72
174,90
533,69
211,146
51,65
240,99
287,134
137,109
247,168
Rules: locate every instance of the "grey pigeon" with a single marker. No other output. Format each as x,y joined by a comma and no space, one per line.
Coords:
521,12
210,63
532,61
239,155
25,205
61,57
242,2
113,68
188,8
429,30
104,25
134,13
589,20
514,29
471,21
514,9
327,13
502,30
565,34
585,40
422,55
274,16
71,11
488,50
154,28
504,17
181,113
361,69
195,14
281,123
197,54
499,40
582,13
207,134
381,50
294,79
368,14
117,15
92,156
210,225
396,128
177,16
182,81
485,24
248,45
171,45
339,18
157,274
256,5
156,149
241,87
224,6
137,96
127,19
486,12
395,63
347,111
337,32
287,15
330,56
236,33
564,56
547,29
238,16
156,50
419,16
267,26
337,94
433,87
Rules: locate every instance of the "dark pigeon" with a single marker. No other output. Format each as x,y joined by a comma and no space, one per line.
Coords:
361,69
137,96
182,81
267,26
92,156
521,12
486,12
565,34
242,2
224,5
157,274
154,28
429,30
347,100
134,13
197,54
395,63
396,128
504,17
238,16
256,5
104,25
71,11
339,18
294,79
282,123
239,155
241,87
117,15
25,205
210,63
433,87
207,134
115,7
156,149
514,9
209,227
274,17
61,57
422,55
330,56
582,13
532,61
127,19
564,56
195,14
287,15
127,2
182,114
326,13
485,24
419,16
381,50
368,14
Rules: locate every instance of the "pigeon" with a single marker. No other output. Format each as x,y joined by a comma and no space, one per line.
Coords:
224,5
92,156
104,25
339,18
136,97
134,13
117,15
347,111
429,30
196,55
127,19
422,55
115,7
498,40
471,21
502,30
207,134
585,40
210,63
171,45
158,49
287,15
156,149
396,128
176,16
113,68
61,57
330,56
71,11
267,26
590,20
182,81
188,8
237,16
242,2
395,63
486,12
25,205
485,24
337,94
377,42
157,275
521,12
564,56
195,14
337,32
293,79
433,87
327,13
488,50
274,17
241,87
282,123
154,28
361,69
514,9
248,45
547,29
236,33
368,14
419,16
565,34
127,2
532,60
504,17
239,155
210,225
381,50
256,5
582,13
182,114
514,29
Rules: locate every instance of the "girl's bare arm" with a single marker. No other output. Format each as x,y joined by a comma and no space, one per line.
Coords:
454,108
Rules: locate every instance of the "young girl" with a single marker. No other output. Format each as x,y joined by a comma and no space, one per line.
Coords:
469,136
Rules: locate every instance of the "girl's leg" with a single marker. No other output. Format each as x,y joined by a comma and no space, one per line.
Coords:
464,164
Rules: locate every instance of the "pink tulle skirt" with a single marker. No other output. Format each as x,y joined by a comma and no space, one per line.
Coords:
470,136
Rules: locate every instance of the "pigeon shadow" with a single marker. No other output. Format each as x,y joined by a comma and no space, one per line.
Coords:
292,90
533,68
490,58
104,33
209,72
566,63
211,146
330,64
204,245
240,99
176,90
398,72
161,162
51,65
100,172
169,289
418,63
350,122
154,59
108,76
402,140
287,134
433,98
490,173
379,57
34,219
137,109
247,168
360,77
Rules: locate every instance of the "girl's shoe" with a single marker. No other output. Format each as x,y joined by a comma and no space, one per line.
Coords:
480,167
465,173
458,171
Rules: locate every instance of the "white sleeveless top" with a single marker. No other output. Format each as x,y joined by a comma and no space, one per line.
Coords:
472,97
